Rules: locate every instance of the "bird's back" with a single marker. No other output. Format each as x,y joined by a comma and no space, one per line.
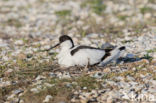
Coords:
83,55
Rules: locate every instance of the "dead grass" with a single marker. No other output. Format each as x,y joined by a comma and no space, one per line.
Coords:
4,91
28,71
60,91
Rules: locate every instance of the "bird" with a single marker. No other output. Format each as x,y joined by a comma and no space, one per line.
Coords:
81,55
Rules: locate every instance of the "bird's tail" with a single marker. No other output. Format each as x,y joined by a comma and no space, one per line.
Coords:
113,55
122,48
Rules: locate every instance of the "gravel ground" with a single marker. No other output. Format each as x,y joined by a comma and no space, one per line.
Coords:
28,75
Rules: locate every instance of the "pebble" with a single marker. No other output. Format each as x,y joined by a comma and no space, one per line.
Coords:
47,99
62,102
98,75
66,75
48,85
34,90
19,42
9,71
107,45
119,78
130,78
11,96
84,88
18,91
93,35
130,55
69,85
22,56
107,70
147,15
4,84
52,74
39,77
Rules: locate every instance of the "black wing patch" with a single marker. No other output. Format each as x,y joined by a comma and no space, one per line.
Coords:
108,50
88,47
105,56
82,47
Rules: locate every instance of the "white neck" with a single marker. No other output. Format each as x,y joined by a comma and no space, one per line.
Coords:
66,45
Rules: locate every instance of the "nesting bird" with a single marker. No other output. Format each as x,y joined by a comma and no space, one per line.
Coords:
71,55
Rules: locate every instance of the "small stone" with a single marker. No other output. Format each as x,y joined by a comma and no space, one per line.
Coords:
106,70
11,96
68,85
48,85
153,62
5,58
34,90
22,56
1,79
21,101
73,100
147,15
119,78
127,38
4,84
98,75
9,71
16,100
66,75
123,84
84,88
133,68
47,98
52,74
82,99
130,55
110,99
130,78
29,55
133,84
153,81
112,83
86,41
18,91
46,47
62,102
40,77
74,83
93,35
19,42
154,56
142,76
107,45
143,61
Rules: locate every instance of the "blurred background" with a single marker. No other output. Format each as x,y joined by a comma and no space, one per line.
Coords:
111,18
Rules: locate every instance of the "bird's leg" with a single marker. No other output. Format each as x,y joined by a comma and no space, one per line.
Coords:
86,67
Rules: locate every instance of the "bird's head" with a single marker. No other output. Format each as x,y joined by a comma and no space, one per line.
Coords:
65,42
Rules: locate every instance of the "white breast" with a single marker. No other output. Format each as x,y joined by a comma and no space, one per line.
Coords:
65,59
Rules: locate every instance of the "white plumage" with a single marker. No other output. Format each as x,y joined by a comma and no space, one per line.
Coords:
71,55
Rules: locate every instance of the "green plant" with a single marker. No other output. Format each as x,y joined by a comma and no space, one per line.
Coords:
63,13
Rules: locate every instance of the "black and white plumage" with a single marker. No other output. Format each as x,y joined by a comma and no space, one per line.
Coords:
71,55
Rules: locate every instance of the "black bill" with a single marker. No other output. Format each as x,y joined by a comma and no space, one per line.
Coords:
52,47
